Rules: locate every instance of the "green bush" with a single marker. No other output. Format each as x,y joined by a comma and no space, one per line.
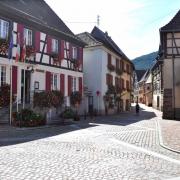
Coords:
67,114
48,99
27,118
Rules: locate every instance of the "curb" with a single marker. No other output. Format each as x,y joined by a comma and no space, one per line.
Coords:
161,139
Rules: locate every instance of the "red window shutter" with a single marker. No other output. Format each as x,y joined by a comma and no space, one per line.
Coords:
20,30
123,83
62,49
70,51
69,85
49,44
80,85
110,79
14,79
48,81
109,59
37,41
123,66
62,83
117,63
107,79
81,56
116,81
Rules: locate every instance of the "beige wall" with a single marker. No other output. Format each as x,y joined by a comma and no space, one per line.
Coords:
168,77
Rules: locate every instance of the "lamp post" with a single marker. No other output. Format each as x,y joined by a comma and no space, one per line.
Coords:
98,103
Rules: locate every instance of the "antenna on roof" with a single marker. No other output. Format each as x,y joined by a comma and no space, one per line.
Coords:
98,20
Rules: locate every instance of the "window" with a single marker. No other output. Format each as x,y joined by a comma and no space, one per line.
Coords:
54,46
4,28
74,82
66,50
28,36
3,75
74,53
54,82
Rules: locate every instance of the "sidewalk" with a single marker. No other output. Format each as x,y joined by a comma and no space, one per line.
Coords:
169,131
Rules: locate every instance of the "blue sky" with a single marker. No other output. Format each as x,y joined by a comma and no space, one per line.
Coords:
132,24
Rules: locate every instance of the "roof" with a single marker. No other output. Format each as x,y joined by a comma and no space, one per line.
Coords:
174,24
107,41
89,39
36,11
140,74
145,76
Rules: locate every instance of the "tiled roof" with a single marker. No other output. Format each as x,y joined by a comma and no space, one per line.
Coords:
140,74
39,12
107,41
88,39
174,24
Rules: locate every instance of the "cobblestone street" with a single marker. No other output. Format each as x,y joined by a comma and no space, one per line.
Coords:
111,148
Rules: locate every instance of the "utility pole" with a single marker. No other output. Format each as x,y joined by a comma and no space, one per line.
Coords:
98,20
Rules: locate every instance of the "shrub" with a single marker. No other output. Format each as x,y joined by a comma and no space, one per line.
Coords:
48,99
27,118
75,98
67,113
5,95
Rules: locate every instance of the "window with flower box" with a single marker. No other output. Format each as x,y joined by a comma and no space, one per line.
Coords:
66,50
28,36
54,46
4,29
74,53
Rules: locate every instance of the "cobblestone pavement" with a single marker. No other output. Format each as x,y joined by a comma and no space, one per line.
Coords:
171,133
110,148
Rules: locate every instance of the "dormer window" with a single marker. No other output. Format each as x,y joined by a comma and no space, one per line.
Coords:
28,36
54,46
4,29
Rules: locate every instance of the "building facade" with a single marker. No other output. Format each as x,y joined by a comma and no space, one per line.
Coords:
53,58
108,73
145,89
157,86
170,56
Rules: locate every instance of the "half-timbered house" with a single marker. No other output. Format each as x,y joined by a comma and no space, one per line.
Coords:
157,85
108,73
54,55
170,56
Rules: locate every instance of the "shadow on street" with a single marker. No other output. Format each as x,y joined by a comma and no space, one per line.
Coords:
13,136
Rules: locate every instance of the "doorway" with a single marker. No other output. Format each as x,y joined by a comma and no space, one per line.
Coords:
27,85
90,104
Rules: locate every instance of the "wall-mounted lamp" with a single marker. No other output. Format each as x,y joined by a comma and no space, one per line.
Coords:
30,68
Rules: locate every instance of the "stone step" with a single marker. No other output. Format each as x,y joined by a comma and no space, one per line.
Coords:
4,115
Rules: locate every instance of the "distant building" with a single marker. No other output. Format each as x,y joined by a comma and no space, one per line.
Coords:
145,89
138,90
108,73
169,54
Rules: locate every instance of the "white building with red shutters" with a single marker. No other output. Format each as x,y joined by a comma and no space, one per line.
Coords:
54,55
108,74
